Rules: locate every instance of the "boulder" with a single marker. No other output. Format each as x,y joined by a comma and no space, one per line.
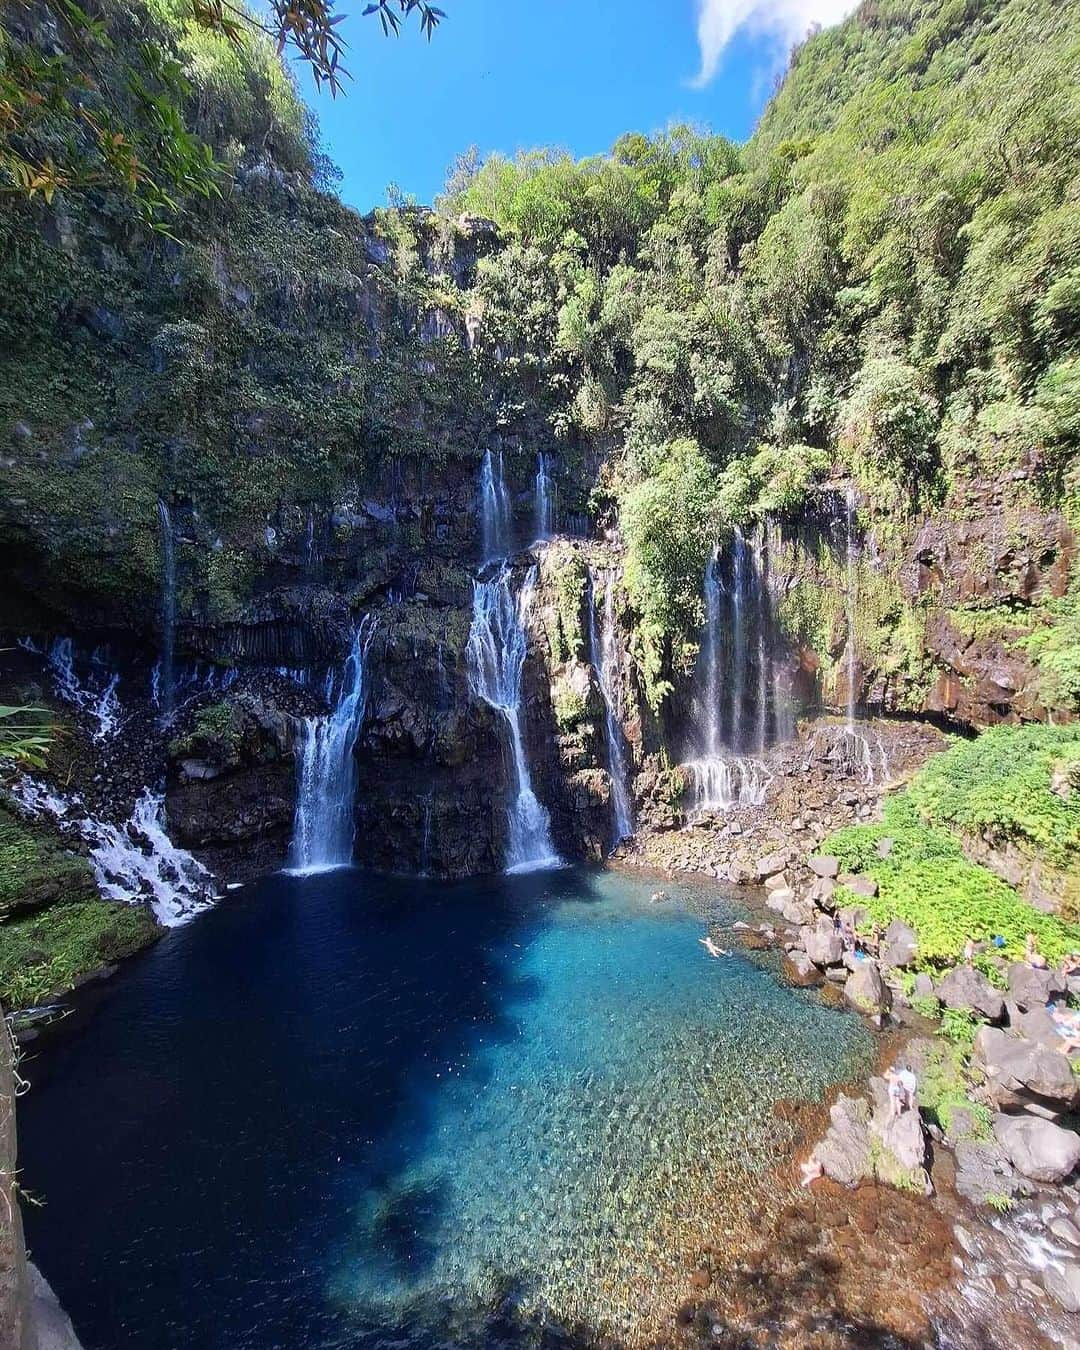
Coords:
1062,1282
867,887
770,865
798,912
966,987
800,969
844,1151
1036,1025
867,991
924,986
822,943
821,892
1038,1149
899,945
1031,988
1019,1070
779,896
982,1170
824,865
776,882
901,1152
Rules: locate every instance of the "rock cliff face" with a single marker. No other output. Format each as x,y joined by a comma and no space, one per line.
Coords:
255,444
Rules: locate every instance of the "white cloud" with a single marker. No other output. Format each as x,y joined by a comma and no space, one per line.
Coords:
784,21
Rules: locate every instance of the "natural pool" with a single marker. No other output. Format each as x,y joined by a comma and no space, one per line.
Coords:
342,1110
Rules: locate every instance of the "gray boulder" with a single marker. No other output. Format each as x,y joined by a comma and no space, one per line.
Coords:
924,985
824,866
822,943
769,866
1019,1070
1038,1149
901,1152
1062,1282
1036,1025
779,896
844,1151
798,912
982,1170
1031,988
899,945
867,887
966,987
821,892
867,991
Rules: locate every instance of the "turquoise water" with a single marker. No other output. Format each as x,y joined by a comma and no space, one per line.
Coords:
419,1115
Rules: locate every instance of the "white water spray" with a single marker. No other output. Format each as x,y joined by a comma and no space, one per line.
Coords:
496,651
133,862
494,507
604,655
324,826
545,498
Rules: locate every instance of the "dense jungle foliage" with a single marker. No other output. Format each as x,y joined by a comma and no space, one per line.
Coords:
881,286
883,283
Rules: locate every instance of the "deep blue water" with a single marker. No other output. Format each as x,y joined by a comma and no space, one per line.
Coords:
342,1110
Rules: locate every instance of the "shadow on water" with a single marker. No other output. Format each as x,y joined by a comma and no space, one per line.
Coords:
192,1141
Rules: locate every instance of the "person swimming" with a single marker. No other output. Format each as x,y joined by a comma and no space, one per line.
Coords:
711,947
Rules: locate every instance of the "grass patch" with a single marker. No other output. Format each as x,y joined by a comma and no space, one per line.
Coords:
35,871
44,955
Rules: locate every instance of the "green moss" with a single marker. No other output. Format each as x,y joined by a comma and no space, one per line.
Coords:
215,727
565,578
570,709
45,955
35,871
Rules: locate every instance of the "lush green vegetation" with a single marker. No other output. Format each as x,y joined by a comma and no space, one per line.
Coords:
46,954
35,871
926,880
1011,784
881,284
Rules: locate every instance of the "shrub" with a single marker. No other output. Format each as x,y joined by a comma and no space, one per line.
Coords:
999,787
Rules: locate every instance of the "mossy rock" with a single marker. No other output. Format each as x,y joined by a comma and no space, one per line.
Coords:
47,954
35,871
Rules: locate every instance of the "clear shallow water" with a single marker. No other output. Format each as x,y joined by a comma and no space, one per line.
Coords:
342,1110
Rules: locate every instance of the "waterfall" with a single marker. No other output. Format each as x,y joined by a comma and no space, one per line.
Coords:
168,610
133,862
852,599
96,695
545,498
324,824
425,834
710,653
494,508
740,595
604,655
783,716
733,694
496,653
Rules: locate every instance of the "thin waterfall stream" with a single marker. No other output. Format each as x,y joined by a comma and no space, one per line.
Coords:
496,650
604,655
168,611
324,825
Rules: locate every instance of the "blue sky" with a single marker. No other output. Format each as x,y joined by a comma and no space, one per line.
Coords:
515,74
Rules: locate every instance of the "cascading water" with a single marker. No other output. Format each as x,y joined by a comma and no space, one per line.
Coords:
852,599
494,508
604,655
168,611
133,862
324,825
545,498
740,596
96,694
496,652
783,716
